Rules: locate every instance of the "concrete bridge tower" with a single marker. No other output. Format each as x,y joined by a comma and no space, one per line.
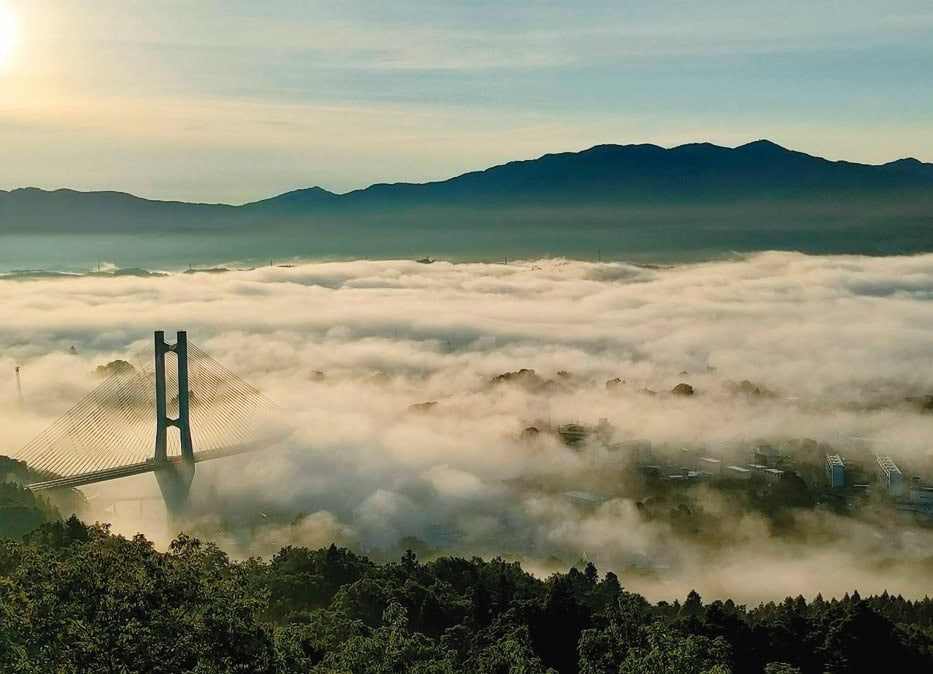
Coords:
174,477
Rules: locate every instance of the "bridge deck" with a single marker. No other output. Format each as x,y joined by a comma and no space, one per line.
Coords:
150,466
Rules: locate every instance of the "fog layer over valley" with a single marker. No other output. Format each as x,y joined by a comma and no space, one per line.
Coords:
390,373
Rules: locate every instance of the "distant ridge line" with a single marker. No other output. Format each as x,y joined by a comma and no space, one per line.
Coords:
907,164
631,198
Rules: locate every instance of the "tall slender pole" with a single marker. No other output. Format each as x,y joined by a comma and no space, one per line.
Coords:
19,388
161,418
184,422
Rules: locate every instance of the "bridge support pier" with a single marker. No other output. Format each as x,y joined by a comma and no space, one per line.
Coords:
174,476
175,485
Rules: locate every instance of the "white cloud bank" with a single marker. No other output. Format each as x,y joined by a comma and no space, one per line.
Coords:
842,342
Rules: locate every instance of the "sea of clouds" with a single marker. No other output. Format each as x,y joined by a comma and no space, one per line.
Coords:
843,345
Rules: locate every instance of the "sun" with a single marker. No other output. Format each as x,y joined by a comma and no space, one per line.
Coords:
7,35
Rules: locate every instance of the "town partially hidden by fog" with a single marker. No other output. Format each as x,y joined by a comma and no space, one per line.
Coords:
677,425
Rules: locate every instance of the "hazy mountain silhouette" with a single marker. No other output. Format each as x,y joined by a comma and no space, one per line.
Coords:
637,174
753,196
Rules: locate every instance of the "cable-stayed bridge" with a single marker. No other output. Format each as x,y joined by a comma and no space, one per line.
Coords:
161,415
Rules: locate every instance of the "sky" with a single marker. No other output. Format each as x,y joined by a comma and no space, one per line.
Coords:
235,100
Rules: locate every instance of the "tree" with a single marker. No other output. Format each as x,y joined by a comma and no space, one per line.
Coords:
864,641
75,598
781,668
512,654
112,605
556,627
603,650
389,649
21,511
670,653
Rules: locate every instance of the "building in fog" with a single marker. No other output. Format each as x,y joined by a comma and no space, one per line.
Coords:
585,499
738,473
891,476
573,435
835,471
639,450
767,455
709,465
920,494
765,472
773,475
919,500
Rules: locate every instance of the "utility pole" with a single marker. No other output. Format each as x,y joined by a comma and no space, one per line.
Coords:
19,388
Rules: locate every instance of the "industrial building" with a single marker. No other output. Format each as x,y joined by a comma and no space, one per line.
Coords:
773,475
709,465
738,473
921,494
891,476
919,500
835,471
766,472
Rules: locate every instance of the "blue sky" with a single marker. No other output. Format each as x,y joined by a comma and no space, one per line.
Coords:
236,100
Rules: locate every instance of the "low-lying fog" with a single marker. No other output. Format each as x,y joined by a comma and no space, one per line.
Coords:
840,347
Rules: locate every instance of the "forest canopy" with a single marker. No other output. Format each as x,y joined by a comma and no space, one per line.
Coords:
76,598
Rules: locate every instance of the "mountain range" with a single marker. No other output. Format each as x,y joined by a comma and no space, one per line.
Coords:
756,195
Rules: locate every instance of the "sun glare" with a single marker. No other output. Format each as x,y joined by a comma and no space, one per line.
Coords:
7,35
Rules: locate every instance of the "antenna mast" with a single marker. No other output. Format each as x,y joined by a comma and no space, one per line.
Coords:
19,388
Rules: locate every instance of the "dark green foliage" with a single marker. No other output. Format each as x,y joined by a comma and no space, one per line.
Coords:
75,599
109,604
389,648
21,511
299,579
114,367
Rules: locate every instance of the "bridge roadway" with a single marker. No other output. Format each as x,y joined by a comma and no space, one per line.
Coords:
151,465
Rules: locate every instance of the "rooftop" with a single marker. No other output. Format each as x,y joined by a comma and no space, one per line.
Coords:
887,464
586,496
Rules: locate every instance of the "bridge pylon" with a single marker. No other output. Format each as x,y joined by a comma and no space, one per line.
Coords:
107,435
174,477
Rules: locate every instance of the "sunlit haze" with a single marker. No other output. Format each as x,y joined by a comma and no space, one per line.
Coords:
7,35
241,100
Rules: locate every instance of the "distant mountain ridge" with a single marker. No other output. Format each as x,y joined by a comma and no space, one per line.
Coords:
636,172
611,185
